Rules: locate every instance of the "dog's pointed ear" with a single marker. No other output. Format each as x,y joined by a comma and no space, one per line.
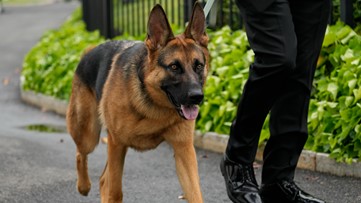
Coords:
196,28
159,31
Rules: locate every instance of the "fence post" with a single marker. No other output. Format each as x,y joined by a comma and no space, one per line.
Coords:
188,5
98,15
330,17
346,12
108,24
89,17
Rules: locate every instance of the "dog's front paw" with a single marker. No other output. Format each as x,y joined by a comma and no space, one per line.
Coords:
84,187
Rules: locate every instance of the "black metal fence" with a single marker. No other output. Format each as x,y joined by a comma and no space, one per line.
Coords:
116,17
130,16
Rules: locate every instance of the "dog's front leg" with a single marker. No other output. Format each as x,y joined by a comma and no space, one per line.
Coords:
187,170
112,191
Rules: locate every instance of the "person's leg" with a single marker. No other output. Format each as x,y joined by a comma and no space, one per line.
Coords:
272,38
288,121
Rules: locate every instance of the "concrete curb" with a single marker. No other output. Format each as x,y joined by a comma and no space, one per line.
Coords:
211,141
309,160
46,103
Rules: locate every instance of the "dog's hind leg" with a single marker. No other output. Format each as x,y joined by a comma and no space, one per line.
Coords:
84,126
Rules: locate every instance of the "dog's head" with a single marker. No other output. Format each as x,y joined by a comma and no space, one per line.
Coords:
178,64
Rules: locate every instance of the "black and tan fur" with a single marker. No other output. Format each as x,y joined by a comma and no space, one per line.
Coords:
143,93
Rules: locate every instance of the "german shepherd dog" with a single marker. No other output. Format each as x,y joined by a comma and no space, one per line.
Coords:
143,93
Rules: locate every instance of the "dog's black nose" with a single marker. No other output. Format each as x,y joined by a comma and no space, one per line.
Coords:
195,96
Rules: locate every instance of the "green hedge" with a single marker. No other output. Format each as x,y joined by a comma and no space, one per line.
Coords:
49,66
335,110
231,58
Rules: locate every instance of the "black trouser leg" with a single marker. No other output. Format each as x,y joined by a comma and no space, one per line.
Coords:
288,121
272,38
286,38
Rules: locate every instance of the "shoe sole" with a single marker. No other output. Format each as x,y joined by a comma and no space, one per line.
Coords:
226,181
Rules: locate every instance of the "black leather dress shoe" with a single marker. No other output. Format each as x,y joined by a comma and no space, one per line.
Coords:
286,192
241,183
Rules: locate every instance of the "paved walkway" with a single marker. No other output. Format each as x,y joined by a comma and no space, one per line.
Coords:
40,167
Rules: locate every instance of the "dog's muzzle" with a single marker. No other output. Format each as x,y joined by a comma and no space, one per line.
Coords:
189,109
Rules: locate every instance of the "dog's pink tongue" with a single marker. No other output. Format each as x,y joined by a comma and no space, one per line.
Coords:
190,112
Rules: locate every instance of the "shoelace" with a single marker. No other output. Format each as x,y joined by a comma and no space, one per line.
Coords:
242,174
291,188
248,174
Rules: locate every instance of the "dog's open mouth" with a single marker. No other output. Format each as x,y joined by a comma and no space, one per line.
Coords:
186,111
189,112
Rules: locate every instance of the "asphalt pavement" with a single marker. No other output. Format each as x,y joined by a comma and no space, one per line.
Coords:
40,167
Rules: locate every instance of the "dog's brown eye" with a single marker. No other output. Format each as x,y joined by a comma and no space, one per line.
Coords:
199,67
174,67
